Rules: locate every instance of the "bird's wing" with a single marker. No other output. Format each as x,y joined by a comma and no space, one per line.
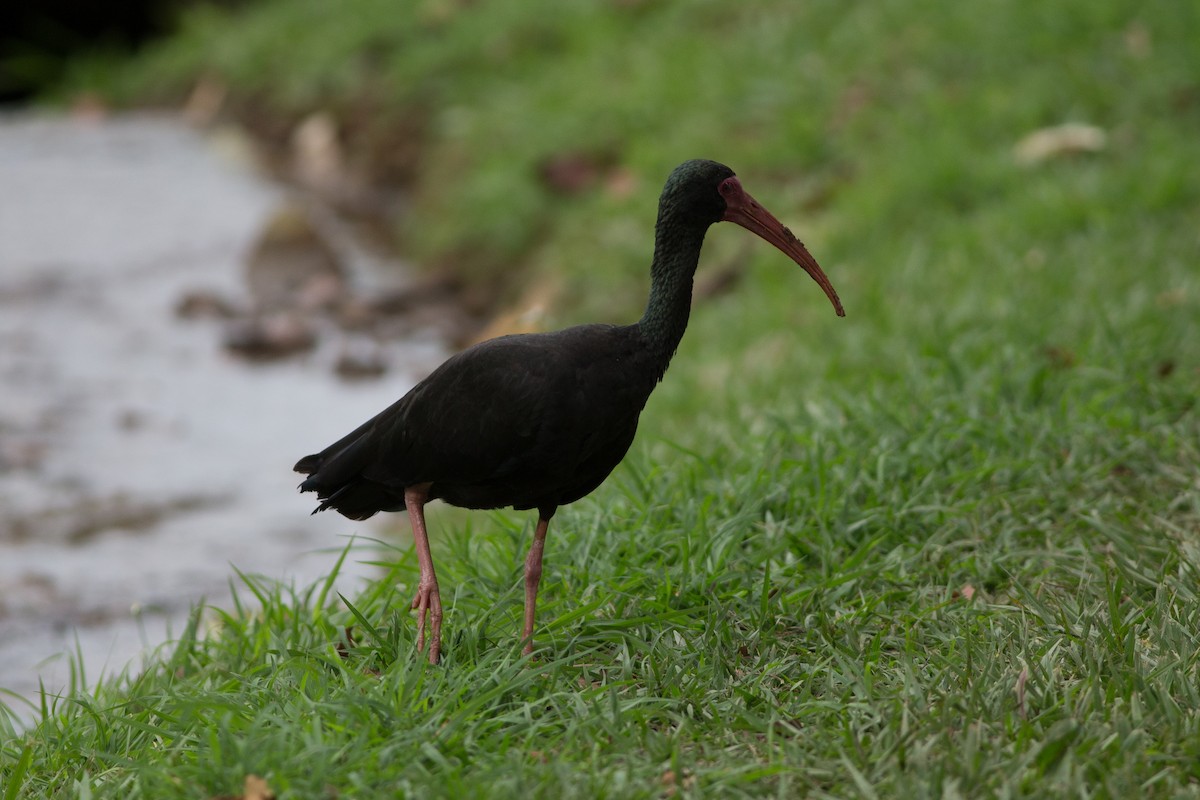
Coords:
479,416
531,408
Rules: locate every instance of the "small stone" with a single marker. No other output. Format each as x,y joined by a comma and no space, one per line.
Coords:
270,338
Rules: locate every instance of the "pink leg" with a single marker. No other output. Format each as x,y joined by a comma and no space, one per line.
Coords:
533,576
428,600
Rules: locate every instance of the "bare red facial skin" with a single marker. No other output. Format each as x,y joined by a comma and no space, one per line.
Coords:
744,210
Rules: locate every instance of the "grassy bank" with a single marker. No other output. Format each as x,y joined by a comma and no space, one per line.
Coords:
947,546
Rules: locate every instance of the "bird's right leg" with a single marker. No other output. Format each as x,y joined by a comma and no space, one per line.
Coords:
533,576
428,600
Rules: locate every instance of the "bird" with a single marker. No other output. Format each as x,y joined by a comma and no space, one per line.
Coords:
537,420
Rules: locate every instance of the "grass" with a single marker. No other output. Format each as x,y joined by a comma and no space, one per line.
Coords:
945,547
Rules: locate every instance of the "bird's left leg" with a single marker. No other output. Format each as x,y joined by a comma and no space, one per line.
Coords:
533,576
428,600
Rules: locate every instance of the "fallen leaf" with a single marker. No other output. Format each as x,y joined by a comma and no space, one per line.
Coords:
1059,140
1137,40
256,788
1171,298
621,183
1021,680
667,779
576,172
343,646
671,782
1060,358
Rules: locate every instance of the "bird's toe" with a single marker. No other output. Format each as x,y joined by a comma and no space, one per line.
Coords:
428,605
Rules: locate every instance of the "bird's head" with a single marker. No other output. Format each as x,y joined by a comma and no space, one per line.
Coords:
708,192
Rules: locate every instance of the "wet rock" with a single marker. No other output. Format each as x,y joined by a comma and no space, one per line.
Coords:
360,360
270,337
427,304
130,420
28,592
203,304
205,101
320,292
434,304
433,291
87,517
317,154
34,289
355,313
21,453
446,320
292,266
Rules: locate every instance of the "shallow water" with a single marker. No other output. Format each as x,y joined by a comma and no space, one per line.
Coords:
139,462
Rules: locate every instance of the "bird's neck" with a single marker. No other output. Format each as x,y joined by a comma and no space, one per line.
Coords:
676,254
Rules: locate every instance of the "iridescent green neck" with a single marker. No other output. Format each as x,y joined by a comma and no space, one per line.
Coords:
676,254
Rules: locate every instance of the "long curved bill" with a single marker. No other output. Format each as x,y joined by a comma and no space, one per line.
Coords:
744,210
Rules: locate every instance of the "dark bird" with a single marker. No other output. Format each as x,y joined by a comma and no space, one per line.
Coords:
538,420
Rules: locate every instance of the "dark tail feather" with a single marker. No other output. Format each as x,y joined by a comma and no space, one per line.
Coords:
361,500
336,475
308,465
358,498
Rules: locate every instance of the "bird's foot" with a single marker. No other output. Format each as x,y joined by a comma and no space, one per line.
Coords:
428,602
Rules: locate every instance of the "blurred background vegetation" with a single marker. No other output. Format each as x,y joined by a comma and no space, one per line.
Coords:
530,136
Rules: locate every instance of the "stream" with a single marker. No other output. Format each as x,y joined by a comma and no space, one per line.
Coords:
141,461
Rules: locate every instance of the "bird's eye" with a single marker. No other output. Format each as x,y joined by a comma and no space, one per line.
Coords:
727,186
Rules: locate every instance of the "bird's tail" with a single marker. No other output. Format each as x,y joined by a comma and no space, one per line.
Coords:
353,496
